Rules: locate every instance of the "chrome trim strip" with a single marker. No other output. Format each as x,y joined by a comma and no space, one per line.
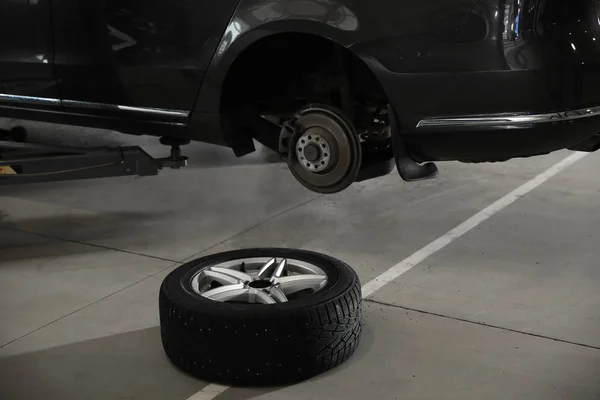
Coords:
155,111
508,120
129,109
14,98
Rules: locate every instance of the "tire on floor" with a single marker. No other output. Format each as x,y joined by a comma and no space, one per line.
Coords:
239,343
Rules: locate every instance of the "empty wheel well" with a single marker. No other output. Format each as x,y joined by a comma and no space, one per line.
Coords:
282,73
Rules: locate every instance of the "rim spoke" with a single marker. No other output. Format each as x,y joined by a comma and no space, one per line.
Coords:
223,279
226,293
240,276
293,284
278,295
281,269
258,296
266,269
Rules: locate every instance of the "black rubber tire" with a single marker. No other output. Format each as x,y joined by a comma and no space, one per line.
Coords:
255,344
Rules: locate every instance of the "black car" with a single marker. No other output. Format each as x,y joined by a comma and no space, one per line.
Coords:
342,89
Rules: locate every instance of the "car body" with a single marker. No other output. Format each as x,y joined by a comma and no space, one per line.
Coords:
468,80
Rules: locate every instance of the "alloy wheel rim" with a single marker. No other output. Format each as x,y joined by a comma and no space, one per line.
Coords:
259,280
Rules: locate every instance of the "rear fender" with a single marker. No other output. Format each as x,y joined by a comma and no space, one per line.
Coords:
350,23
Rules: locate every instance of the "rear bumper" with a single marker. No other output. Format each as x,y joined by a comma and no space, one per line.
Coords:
519,78
506,121
511,57
500,138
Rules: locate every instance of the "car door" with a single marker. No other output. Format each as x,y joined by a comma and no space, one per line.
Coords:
26,55
140,58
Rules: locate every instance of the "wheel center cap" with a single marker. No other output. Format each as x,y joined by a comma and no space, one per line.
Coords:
260,284
312,152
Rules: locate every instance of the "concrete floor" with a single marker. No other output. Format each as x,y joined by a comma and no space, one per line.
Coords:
510,310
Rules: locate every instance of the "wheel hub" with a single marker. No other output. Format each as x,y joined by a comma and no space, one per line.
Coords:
325,152
313,152
260,284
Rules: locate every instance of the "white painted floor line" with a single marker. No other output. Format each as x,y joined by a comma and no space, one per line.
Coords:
405,265
211,391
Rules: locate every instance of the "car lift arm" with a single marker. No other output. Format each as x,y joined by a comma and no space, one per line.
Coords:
31,163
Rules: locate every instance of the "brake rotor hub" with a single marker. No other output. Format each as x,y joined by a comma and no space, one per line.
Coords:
313,152
324,151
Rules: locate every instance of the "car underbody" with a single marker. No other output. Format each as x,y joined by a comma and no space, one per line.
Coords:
470,81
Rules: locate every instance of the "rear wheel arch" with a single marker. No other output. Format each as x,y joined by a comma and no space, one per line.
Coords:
282,71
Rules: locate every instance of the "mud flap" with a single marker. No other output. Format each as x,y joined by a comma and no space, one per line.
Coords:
408,168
